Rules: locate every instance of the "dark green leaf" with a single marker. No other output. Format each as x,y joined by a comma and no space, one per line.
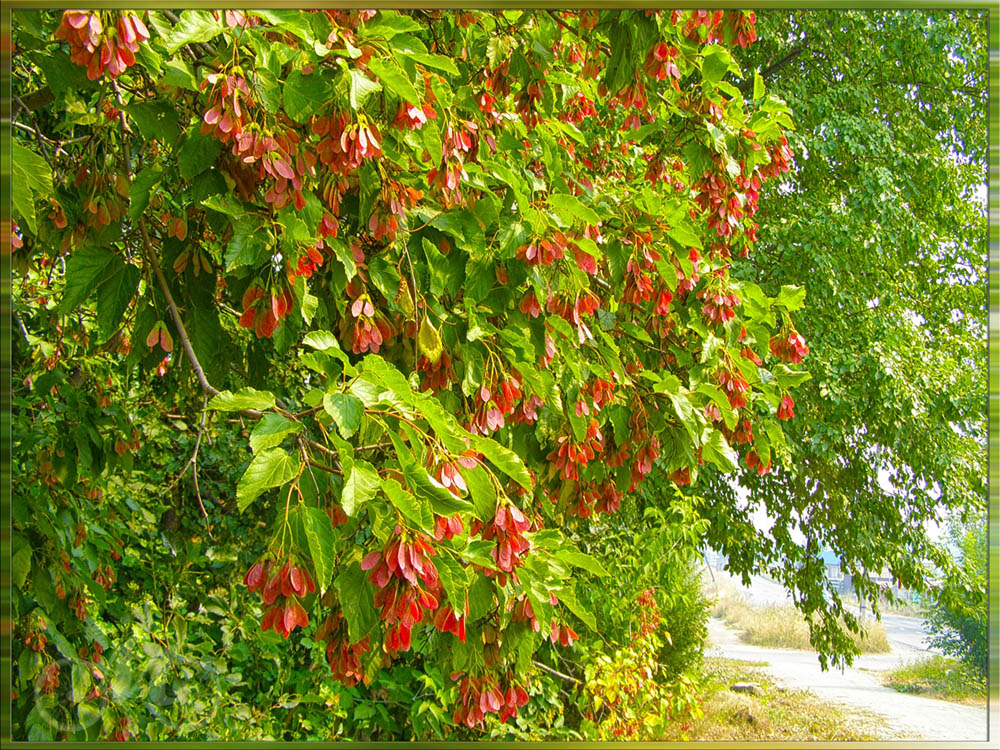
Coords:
580,560
85,270
355,594
157,120
719,452
362,87
305,95
482,491
21,565
197,153
114,295
504,459
320,537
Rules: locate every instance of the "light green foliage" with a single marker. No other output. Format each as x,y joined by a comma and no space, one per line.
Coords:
883,218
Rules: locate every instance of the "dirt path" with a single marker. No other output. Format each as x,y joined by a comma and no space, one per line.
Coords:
907,716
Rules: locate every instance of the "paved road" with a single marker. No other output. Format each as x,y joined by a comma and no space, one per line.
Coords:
906,716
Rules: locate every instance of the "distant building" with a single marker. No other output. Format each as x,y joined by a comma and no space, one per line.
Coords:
845,585
831,560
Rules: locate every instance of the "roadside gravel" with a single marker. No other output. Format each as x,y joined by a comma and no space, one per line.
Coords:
906,716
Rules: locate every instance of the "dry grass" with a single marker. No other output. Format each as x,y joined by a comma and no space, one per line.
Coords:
937,677
776,715
905,609
781,626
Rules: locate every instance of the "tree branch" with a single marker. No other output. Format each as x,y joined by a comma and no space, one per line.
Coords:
157,271
554,673
773,68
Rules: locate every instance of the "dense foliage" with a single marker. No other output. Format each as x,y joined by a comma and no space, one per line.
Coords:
883,217
379,345
957,622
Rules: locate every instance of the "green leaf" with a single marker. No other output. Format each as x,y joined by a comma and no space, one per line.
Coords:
684,235
271,468
114,295
416,510
395,80
716,394
305,95
84,272
361,482
140,190
31,180
685,412
249,245
440,498
193,26
362,87
787,377
567,596
270,431
388,24
21,566
355,594
197,153
430,341
245,398
504,459
322,340
791,297
569,207
36,171
157,120
758,87
320,537
716,62
79,682
480,597
23,201
482,491
580,560
454,580
179,73
438,62
346,411
719,452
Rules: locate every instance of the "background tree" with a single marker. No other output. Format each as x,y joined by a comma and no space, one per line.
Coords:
883,217
957,620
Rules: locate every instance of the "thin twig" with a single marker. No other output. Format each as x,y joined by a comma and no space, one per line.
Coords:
416,303
553,672
194,465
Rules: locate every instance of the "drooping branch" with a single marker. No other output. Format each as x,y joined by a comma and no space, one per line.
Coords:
150,254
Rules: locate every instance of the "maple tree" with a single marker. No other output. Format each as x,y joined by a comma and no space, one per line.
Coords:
460,280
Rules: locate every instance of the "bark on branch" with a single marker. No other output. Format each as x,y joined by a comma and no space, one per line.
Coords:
774,67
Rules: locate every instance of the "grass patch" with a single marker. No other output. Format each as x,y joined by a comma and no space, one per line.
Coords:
782,626
938,677
777,714
905,609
